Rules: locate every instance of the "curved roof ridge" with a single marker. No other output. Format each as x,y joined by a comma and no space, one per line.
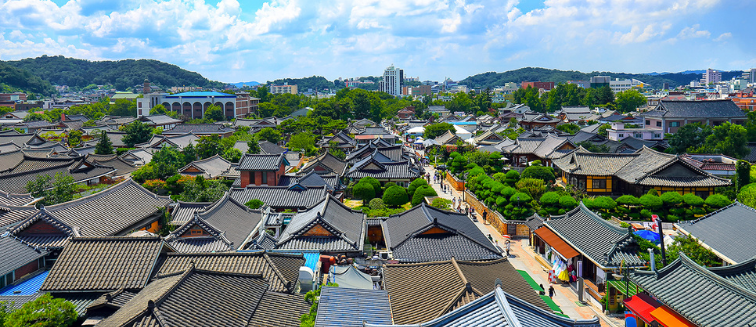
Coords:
601,220
688,262
104,193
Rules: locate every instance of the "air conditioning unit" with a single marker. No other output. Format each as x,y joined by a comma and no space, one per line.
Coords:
386,255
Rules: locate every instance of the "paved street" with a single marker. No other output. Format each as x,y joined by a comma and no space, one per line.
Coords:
522,258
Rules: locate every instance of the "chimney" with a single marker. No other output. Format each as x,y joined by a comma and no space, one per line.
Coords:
653,260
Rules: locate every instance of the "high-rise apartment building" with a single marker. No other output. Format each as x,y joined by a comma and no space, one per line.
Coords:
711,76
393,78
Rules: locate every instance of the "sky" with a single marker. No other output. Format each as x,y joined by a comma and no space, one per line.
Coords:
254,40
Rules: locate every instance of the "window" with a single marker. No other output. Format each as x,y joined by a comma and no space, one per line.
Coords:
658,124
265,177
599,183
621,135
648,122
196,232
657,136
638,135
674,124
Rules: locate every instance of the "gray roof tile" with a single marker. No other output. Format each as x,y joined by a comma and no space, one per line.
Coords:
728,231
260,162
346,226
696,109
280,197
339,306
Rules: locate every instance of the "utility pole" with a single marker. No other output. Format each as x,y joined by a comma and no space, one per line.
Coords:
661,238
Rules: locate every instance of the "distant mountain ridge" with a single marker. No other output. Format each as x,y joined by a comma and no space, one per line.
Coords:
59,70
492,79
241,84
14,79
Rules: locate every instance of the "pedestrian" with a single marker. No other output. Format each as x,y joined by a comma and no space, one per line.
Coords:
485,214
490,238
551,291
508,249
542,291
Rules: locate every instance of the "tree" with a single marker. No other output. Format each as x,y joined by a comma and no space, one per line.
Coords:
208,146
123,108
377,204
747,195
414,185
214,113
43,312
532,186
254,147
55,190
136,132
364,191
441,203
190,153
232,155
540,172
104,146
629,100
716,201
395,196
512,177
254,204
434,130
743,171
302,141
74,138
421,192
689,136
269,134
569,128
36,117
729,139
375,183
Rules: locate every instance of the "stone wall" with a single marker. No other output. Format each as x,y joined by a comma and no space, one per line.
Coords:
455,183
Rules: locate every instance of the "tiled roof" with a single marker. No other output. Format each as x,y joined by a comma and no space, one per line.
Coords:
405,235
311,179
548,147
339,306
279,269
696,109
121,166
327,161
500,309
259,162
534,222
236,221
597,239
393,153
424,291
184,211
30,168
104,264
383,170
341,138
114,300
20,139
728,231
15,199
48,240
346,226
280,197
111,211
270,148
213,298
272,304
8,147
179,141
689,290
447,138
160,120
16,254
212,167
10,215
215,242
198,129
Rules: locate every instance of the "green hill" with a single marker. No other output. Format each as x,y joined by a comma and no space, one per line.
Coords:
59,70
15,79
492,79
305,83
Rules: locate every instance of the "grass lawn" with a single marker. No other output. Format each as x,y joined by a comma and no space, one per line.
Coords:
353,203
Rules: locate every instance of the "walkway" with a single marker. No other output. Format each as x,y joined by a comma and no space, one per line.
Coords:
522,258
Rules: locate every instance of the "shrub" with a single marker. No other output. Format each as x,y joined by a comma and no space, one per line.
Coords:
501,201
717,201
533,186
364,192
388,185
747,195
671,198
540,172
512,177
567,202
520,198
421,193
395,196
375,183
254,204
508,191
441,203
628,200
693,200
653,192
154,185
500,177
414,185
605,203
550,199
376,204
651,202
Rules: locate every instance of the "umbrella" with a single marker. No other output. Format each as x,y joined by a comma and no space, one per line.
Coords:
506,236
648,235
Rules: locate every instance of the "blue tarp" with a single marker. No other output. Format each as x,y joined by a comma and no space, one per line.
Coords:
27,287
648,235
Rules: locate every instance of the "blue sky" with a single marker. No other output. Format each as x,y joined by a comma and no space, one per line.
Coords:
233,40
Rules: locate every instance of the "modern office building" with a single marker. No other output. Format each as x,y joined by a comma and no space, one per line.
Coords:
393,78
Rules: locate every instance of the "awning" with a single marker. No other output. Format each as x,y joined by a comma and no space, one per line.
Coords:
556,242
669,318
642,305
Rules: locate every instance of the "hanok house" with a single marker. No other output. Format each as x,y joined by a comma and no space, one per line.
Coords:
89,267
157,142
635,173
448,139
669,116
693,295
587,246
526,150
325,164
390,151
213,167
488,137
425,233
342,306
19,169
213,298
18,260
536,121
281,198
420,292
183,212
341,140
110,212
717,230
385,170
371,133
262,169
225,226
311,179
330,227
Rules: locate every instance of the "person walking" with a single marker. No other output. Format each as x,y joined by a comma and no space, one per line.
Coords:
551,291
485,214
508,245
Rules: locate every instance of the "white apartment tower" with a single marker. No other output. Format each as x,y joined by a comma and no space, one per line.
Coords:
393,78
711,76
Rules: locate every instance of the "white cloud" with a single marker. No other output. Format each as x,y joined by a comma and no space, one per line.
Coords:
693,32
723,37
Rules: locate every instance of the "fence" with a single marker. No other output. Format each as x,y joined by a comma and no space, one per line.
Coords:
454,182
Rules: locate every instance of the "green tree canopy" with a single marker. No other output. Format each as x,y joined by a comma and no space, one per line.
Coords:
254,204
434,130
539,172
629,100
45,311
364,191
136,132
421,192
215,113
269,134
395,196
689,136
104,146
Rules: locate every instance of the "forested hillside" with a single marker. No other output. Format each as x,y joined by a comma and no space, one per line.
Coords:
314,82
59,70
15,79
492,79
